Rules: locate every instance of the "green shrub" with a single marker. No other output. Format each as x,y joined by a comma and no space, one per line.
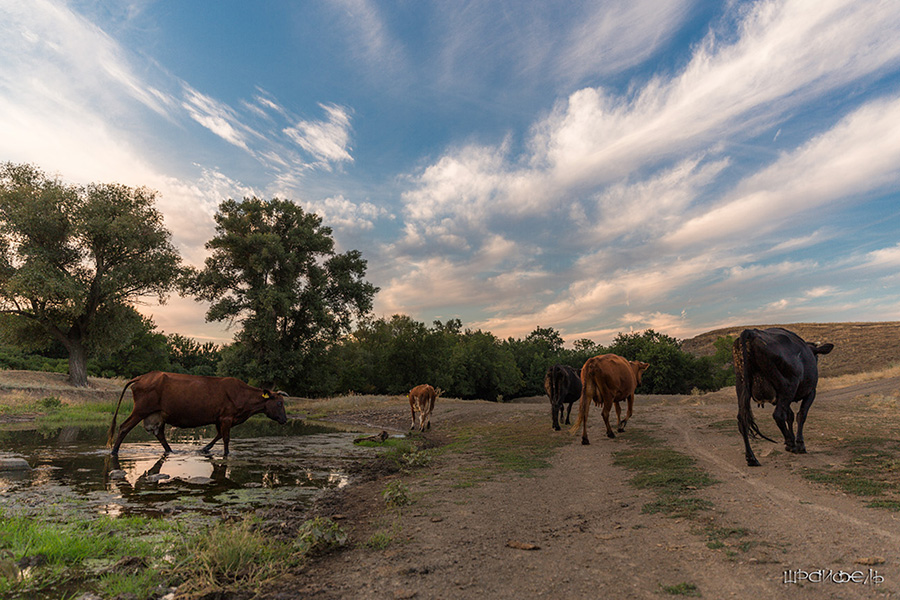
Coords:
396,494
319,535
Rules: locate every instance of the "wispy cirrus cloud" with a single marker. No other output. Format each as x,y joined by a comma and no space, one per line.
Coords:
328,140
216,117
607,172
858,155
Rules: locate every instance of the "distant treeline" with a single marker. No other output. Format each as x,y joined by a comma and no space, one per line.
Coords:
390,356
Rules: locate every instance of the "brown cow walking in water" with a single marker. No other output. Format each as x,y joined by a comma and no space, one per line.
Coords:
608,379
421,403
193,401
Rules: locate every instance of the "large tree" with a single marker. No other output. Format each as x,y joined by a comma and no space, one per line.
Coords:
73,259
273,269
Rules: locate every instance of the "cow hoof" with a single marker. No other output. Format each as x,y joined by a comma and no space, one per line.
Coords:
610,434
556,428
621,430
801,449
753,462
585,442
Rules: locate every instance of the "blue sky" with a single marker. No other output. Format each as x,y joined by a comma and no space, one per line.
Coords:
594,167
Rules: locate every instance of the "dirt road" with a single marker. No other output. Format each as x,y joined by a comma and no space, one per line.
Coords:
577,530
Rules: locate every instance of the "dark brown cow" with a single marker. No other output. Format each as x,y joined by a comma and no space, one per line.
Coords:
421,403
775,365
193,401
609,379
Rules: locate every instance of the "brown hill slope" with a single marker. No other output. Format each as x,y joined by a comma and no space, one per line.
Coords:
858,347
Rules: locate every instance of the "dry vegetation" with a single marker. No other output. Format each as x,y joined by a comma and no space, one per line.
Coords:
858,347
25,387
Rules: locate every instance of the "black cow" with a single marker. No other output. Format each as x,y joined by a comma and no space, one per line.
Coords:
775,365
563,385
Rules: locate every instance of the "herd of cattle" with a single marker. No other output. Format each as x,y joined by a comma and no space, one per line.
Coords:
771,365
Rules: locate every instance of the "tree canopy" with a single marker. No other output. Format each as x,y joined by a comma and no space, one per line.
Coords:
73,259
273,269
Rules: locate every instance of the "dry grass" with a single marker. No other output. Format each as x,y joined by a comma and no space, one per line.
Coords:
343,404
858,347
26,387
842,381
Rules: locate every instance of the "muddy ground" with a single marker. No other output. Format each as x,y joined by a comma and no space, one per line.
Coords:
577,530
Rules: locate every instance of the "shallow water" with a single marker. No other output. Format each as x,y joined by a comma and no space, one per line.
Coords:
269,465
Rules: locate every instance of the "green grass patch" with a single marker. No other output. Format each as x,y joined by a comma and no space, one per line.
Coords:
520,446
232,555
673,476
135,556
78,555
50,411
379,540
872,471
724,425
681,589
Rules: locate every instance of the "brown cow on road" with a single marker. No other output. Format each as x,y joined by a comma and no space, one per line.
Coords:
193,401
608,378
421,402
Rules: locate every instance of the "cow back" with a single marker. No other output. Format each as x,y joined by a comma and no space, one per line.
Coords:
779,360
195,400
613,375
562,384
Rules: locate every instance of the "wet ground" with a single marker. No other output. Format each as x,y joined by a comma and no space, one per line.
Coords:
269,466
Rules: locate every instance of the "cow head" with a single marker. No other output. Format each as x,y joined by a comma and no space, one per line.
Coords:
638,367
274,406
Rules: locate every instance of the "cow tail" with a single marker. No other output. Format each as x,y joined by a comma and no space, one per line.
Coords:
587,393
555,381
112,426
743,377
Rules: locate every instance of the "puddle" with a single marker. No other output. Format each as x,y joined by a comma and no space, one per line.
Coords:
269,465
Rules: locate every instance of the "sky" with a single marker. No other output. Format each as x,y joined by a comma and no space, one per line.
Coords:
594,167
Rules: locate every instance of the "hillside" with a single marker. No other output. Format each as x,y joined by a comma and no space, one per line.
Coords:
858,347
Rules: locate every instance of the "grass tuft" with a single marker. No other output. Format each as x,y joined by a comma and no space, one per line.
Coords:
871,471
681,589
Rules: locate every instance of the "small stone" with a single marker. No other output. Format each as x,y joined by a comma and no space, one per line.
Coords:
14,464
522,545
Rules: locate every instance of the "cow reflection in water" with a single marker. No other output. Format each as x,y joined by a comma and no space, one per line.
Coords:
196,471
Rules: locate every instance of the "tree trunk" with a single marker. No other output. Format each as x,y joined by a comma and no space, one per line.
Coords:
77,363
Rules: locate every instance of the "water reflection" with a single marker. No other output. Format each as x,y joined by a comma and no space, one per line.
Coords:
72,467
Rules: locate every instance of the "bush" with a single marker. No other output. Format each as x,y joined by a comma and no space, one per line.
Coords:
320,535
672,371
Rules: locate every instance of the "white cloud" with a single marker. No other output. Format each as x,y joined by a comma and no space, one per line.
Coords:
215,116
369,38
341,213
884,258
539,44
327,141
860,154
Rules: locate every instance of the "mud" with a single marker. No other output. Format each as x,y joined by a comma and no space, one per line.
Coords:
578,528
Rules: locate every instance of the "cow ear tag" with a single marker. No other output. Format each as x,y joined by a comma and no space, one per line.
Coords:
265,394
